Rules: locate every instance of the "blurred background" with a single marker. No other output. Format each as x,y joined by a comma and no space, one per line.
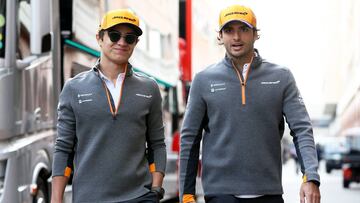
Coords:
45,42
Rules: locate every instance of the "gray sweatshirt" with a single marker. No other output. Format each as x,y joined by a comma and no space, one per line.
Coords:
241,148
110,155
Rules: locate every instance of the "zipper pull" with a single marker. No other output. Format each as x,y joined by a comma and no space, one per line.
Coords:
243,93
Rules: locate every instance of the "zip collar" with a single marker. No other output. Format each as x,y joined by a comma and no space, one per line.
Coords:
255,63
243,80
96,68
128,72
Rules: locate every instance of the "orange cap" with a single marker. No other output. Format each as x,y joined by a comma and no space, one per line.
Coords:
121,16
237,13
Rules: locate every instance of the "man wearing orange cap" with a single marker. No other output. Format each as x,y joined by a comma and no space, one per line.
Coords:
238,107
110,128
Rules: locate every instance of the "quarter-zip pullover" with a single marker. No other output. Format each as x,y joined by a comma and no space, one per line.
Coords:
111,156
241,148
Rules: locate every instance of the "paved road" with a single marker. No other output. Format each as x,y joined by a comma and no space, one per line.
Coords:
331,186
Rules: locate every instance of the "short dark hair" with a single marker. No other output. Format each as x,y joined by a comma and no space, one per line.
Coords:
220,33
101,34
227,25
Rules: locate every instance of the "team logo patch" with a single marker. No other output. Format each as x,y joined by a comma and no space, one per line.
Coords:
270,82
215,87
145,96
84,97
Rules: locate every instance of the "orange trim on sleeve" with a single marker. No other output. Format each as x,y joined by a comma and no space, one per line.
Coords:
152,167
188,198
304,179
67,172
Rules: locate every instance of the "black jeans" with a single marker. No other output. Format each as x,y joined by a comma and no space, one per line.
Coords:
232,199
149,197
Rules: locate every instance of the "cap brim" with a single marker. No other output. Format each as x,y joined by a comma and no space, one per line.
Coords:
136,29
242,21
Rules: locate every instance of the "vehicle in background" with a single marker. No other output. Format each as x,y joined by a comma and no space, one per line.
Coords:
351,159
333,157
332,151
29,88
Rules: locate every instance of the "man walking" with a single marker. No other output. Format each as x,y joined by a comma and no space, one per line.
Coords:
110,128
238,107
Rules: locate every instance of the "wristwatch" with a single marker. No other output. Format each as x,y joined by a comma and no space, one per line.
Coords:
317,183
159,191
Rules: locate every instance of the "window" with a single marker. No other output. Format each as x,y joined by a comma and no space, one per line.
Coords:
155,48
167,50
143,42
25,25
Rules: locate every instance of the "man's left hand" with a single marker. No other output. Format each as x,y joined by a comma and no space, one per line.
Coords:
309,191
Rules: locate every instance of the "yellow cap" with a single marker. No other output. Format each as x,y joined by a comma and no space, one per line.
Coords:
237,13
120,16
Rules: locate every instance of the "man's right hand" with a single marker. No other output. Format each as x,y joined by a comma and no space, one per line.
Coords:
310,192
58,185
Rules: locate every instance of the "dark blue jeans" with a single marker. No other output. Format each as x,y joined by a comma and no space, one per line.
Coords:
232,199
149,197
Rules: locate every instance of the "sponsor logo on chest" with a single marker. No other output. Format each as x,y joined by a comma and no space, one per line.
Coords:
84,97
270,82
144,96
215,87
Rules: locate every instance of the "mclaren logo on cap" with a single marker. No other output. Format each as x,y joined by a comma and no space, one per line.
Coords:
120,16
237,13
124,17
234,13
